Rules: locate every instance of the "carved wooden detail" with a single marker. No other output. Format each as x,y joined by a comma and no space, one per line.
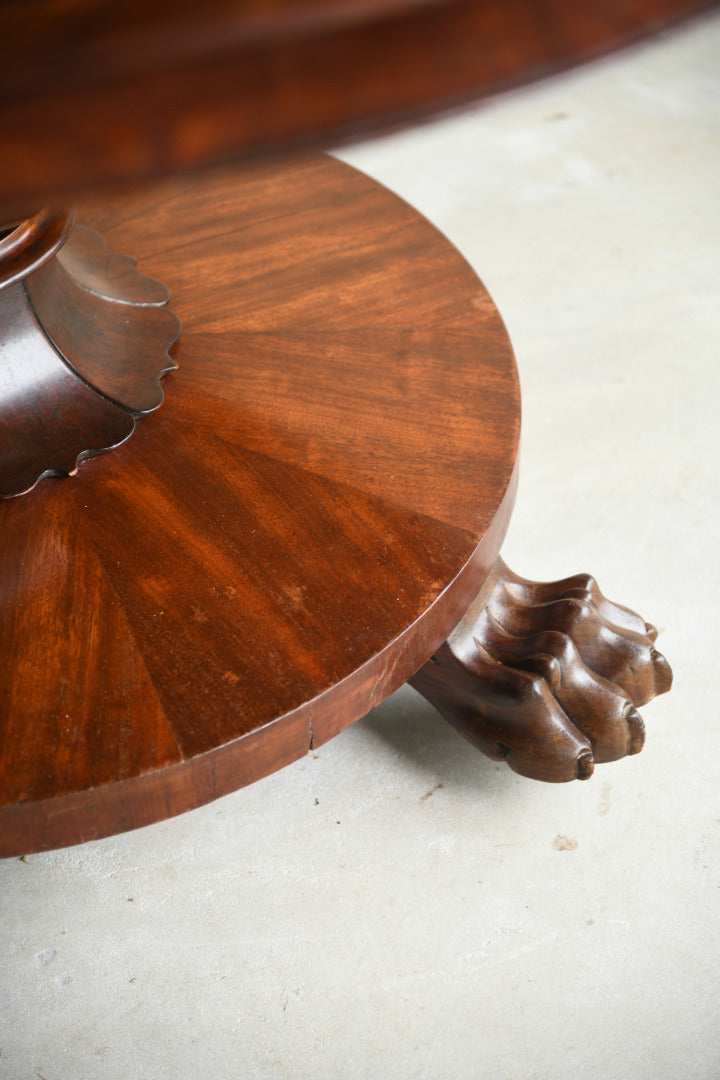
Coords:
547,676
84,342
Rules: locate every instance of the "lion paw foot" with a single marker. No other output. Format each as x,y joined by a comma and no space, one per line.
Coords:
547,676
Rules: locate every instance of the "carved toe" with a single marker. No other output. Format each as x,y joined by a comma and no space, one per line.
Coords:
663,672
547,675
506,712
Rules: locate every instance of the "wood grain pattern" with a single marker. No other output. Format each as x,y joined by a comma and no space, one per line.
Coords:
283,543
547,676
92,93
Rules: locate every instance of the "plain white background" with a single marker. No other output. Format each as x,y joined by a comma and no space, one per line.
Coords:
395,904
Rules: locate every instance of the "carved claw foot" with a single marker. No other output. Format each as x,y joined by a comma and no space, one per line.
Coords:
547,675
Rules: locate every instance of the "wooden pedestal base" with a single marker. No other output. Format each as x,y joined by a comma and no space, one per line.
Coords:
547,676
84,341
296,531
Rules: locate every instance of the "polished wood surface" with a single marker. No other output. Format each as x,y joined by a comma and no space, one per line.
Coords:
28,244
92,92
547,675
289,537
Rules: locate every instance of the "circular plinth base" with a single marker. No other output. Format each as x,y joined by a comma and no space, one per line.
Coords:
289,538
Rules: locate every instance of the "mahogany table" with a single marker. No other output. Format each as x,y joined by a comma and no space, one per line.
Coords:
300,528
314,515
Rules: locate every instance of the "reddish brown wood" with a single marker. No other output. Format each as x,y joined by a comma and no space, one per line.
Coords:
49,419
29,244
547,675
92,93
285,541
84,341
110,323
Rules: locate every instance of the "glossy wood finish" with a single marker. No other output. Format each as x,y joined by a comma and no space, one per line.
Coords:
84,341
92,92
31,243
547,676
111,323
283,543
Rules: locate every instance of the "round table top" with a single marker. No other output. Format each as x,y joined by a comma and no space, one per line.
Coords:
289,537
92,93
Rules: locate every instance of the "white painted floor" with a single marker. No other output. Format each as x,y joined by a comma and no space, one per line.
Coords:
395,905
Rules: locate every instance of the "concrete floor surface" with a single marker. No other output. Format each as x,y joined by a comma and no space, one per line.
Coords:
395,904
